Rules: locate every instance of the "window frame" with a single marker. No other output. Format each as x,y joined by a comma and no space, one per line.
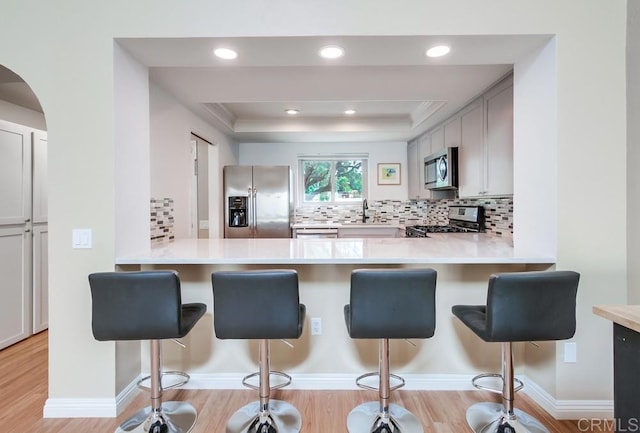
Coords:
332,158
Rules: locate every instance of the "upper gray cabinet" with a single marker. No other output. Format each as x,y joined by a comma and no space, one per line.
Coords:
483,133
471,151
485,157
437,140
499,139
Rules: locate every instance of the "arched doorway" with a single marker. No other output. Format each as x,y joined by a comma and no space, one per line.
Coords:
23,214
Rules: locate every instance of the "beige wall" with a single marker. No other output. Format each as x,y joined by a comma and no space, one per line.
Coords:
70,66
171,127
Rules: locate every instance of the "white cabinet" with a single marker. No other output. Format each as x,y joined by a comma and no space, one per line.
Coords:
437,140
452,132
485,156
40,278
430,142
40,233
15,268
40,197
483,133
369,232
499,140
15,166
23,232
471,151
313,232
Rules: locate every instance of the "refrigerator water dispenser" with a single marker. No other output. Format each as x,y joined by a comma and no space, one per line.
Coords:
238,211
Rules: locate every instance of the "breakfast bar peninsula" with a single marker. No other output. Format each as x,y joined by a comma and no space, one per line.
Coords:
329,359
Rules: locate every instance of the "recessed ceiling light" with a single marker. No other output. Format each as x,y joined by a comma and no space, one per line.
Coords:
225,53
331,52
292,111
350,112
438,51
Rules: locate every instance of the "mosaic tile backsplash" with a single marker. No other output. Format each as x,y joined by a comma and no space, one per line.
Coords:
498,213
161,220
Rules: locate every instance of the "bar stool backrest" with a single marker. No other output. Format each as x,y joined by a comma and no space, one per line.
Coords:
392,303
136,305
531,306
254,305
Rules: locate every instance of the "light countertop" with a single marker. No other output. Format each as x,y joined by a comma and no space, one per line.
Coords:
625,315
456,248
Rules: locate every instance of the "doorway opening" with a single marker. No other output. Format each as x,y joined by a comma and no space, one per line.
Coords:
199,191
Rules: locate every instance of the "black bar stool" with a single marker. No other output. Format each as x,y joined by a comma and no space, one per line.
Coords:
521,306
384,304
260,305
146,306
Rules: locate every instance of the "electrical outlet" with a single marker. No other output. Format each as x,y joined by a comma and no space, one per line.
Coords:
316,326
570,352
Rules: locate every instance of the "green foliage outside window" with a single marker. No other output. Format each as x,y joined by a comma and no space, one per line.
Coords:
332,180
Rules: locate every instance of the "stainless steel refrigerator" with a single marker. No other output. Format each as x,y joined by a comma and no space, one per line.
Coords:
257,201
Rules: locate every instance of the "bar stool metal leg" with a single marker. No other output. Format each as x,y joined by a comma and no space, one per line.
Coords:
503,418
167,417
265,415
382,416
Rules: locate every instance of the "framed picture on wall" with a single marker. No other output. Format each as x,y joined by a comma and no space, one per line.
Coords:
389,173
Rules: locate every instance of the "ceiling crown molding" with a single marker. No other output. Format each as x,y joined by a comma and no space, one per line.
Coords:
221,115
425,110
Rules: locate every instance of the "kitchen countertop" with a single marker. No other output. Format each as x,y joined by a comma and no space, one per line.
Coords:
625,315
453,248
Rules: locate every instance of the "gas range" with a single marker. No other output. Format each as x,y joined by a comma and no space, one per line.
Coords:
462,219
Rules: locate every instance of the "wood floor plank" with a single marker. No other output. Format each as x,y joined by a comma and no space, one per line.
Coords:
23,392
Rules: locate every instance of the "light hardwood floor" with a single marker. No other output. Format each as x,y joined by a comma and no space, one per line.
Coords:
23,391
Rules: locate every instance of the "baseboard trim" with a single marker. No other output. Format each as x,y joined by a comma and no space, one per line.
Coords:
90,407
567,409
111,407
80,408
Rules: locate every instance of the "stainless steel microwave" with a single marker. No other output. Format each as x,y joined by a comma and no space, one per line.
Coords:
441,169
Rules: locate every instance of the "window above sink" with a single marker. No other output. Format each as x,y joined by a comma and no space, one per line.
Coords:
332,179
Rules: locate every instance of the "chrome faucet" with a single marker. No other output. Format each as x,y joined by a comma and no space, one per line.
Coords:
364,210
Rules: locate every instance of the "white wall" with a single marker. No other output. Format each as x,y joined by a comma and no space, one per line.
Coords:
74,79
534,146
171,127
132,153
288,154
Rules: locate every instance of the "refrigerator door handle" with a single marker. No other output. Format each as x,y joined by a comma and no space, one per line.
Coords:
250,212
255,212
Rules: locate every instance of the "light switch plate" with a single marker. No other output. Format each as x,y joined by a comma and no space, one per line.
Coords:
81,238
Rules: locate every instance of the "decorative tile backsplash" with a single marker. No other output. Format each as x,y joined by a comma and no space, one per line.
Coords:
161,220
391,211
498,213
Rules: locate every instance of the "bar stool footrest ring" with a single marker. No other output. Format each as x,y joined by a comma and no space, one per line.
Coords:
375,388
474,382
271,373
182,374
